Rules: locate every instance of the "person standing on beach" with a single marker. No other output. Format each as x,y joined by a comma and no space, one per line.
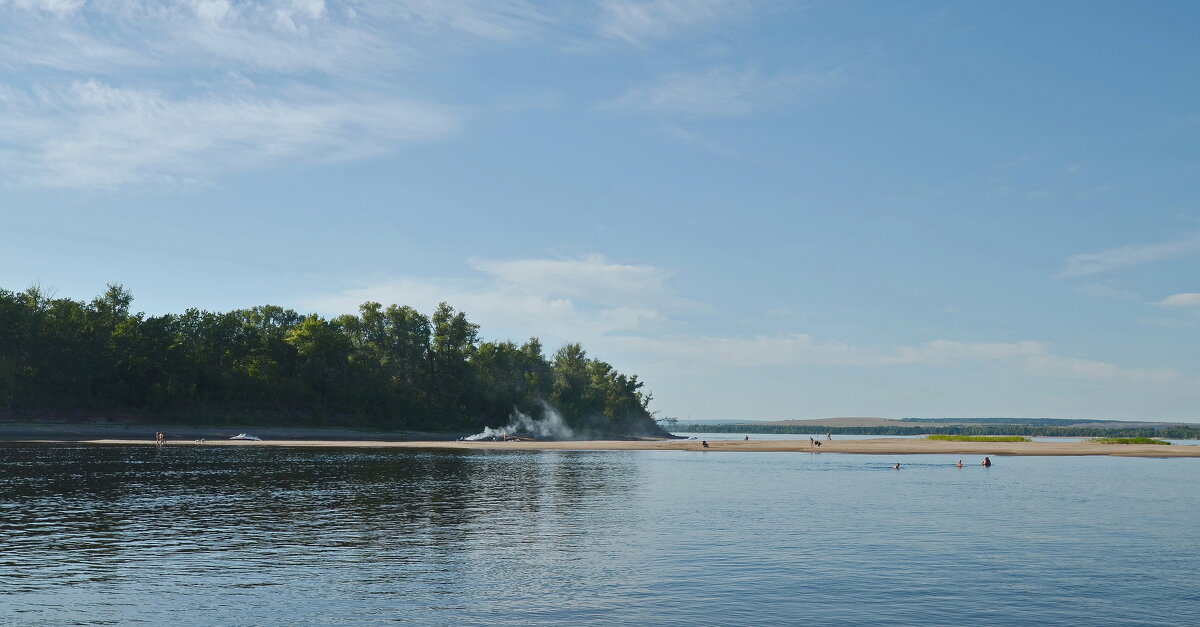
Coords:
828,435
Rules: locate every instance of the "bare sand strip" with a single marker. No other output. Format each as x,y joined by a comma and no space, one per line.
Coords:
877,446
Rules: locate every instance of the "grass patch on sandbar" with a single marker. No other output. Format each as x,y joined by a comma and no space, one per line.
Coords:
1128,441
978,438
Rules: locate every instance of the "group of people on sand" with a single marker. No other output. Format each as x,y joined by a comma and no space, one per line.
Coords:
160,437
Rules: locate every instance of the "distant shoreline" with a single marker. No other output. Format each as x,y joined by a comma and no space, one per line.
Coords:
973,451
864,426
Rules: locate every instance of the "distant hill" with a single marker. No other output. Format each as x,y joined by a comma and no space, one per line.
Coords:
846,421
1050,427
909,422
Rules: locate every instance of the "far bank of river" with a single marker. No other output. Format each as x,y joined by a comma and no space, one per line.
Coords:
873,446
822,436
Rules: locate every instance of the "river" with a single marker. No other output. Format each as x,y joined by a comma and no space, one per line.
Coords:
194,535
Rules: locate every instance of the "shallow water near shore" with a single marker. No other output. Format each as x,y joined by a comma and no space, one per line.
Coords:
195,535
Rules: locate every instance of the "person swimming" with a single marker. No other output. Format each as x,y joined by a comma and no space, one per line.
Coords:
959,464
896,466
987,463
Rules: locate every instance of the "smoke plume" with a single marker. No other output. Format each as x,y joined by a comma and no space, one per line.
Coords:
550,426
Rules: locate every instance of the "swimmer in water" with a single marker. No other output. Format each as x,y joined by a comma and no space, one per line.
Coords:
987,463
896,467
959,464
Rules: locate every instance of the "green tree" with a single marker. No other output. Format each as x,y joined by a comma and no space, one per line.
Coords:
454,339
387,367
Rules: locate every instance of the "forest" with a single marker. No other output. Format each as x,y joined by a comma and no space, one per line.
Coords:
391,368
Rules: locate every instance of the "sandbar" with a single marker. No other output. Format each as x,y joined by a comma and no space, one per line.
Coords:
874,446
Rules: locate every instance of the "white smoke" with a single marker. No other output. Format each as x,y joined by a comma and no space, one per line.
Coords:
550,426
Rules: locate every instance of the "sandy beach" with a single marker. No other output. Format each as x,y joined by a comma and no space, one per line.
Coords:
93,434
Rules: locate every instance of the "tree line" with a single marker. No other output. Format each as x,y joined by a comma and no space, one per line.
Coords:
385,367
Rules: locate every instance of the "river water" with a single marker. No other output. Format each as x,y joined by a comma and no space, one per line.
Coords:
193,535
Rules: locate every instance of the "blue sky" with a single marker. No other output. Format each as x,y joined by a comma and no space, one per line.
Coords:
767,210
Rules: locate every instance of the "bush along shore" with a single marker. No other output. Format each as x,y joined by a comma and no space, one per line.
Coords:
384,368
1128,441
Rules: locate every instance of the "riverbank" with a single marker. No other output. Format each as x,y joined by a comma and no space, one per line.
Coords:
881,446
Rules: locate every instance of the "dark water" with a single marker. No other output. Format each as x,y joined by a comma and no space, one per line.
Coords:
226,536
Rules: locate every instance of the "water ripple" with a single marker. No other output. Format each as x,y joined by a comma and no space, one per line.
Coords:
247,535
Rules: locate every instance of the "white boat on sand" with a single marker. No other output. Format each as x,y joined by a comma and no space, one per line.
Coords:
243,436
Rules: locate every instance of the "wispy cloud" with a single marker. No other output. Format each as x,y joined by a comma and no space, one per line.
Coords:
1104,290
107,37
498,20
637,22
211,85
785,350
681,134
1095,263
591,278
129,93
91,134
562,299
721,92
1183,300
54,7
632,310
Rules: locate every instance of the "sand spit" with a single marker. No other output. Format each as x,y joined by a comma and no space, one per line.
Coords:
880,446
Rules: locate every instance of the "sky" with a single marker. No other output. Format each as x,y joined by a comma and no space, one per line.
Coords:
766,210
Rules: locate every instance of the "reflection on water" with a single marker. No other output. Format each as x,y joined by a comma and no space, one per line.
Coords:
215,524
247,535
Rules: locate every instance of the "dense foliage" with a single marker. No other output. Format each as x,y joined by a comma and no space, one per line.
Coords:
1174,433
389,368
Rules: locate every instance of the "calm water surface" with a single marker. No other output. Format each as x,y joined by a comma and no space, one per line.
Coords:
223,535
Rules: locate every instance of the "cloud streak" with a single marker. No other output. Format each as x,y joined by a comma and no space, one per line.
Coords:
795,350
721,92
1103,290
110,37
639,22
209,86
591,278
584,299
1184,300
110,94
1115,258
92,134
631,310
